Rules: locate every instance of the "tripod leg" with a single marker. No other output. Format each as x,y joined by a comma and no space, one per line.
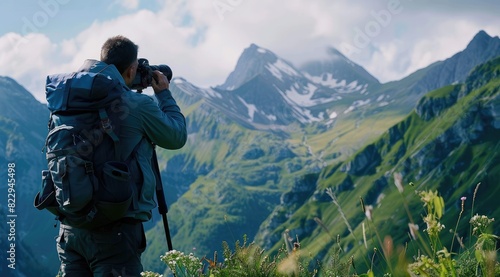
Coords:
160,196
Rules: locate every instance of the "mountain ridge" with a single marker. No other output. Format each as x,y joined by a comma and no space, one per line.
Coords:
455,69
311,93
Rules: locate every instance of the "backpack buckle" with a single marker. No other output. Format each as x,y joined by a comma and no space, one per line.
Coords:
106,124
89,168
91,214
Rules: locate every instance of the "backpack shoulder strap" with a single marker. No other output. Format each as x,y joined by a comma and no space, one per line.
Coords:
108,129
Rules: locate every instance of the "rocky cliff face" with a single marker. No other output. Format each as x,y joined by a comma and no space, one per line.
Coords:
364,162
476,124
491,110
302,189
429,107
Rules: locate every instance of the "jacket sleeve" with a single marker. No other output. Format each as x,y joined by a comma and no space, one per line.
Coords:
164,124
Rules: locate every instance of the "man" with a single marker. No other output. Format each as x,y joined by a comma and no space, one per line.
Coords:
116,249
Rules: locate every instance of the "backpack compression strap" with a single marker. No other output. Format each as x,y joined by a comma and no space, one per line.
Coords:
108,129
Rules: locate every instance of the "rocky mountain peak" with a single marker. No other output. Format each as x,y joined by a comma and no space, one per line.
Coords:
253,61
456,68
483,47
337,69
480,40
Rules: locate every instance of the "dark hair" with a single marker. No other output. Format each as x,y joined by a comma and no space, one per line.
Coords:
119,51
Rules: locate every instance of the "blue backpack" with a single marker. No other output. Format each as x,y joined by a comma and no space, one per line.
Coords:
86,185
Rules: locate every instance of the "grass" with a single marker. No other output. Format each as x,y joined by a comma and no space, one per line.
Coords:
424,255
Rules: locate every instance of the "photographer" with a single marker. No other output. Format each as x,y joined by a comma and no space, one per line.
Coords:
115,250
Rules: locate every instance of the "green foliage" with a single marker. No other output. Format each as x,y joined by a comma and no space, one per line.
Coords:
435,210
246,260
442,262
250,260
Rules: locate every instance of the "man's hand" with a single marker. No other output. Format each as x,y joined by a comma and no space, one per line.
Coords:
159,82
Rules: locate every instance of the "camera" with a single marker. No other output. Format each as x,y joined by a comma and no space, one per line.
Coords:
144,75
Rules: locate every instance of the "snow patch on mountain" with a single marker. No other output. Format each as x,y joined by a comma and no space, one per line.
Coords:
357,104
302,98
191,89
210,93
178,81
271,117
308,117
303,95
353,86
279,67
250,107
311,88
328,80
261,50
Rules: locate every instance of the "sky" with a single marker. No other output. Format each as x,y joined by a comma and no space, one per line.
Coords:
202,40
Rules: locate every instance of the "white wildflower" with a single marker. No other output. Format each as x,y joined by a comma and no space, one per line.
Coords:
398,181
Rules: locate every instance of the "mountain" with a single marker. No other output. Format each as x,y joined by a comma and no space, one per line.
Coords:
20,110
23,126
449,143
264,145
267,90
453,70
337,71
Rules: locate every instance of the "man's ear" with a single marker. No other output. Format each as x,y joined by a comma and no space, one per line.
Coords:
128,75
131,72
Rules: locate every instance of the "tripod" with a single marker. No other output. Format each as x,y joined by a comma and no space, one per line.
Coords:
160,196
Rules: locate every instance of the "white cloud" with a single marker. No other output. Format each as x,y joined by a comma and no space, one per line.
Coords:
202,41
25,58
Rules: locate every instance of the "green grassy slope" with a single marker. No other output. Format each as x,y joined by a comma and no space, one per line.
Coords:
450,152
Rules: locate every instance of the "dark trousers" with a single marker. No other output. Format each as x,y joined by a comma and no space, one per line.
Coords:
112,251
